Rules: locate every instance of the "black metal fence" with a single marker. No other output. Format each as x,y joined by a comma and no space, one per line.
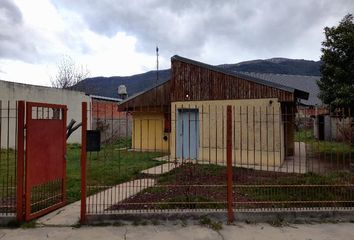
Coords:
8,155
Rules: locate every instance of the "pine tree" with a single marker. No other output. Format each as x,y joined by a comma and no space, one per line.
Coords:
337,81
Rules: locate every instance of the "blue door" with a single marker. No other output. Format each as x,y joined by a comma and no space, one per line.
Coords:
187,133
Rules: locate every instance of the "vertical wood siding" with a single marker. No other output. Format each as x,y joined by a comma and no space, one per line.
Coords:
195,83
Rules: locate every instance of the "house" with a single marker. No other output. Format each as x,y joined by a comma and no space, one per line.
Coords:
186,116
104,116
151,121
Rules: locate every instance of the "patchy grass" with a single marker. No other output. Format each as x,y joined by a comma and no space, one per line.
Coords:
335,155
7,172
124,143
304,136
216,226
331,147
30,224
326,151
73,173
108,167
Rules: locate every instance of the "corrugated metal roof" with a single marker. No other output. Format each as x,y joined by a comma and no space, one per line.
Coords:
106,98
303,83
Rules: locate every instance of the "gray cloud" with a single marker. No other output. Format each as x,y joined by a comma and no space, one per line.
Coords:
10,12
250,28
213,31
15,41
20,42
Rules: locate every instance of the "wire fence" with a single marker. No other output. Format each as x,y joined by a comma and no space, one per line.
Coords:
8,156
153,160
175,158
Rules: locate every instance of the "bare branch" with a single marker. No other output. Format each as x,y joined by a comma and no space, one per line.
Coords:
69,73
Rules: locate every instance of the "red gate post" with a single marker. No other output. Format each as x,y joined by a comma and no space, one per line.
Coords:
20,159
230,211
63,185
83,162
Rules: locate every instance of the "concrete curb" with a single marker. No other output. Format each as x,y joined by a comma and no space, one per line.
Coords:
4,221
240,216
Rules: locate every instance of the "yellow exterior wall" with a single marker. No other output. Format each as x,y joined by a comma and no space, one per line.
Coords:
148,132
258,132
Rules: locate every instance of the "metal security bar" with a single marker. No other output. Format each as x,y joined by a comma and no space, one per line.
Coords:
249,155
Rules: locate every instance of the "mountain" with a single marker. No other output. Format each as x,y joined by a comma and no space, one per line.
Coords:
107,86
277,66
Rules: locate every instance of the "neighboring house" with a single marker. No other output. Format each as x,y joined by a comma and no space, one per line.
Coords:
332,127
326,125
106,118
186,116
150,111
10,92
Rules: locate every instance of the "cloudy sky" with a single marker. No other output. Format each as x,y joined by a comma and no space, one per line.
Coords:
116,38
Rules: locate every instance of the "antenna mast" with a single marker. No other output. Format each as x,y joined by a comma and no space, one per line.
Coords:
157,65
157,71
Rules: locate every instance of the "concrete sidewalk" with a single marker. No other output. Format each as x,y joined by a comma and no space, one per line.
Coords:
169,231
161,169
70,214
296,163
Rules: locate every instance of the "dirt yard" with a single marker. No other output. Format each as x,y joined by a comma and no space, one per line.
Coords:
195,186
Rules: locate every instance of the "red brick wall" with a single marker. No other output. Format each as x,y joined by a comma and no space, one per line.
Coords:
313,111
106,110
112,123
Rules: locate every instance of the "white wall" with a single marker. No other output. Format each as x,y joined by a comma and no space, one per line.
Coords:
10,91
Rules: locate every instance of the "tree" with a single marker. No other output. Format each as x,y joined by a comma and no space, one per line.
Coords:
337,81
69,73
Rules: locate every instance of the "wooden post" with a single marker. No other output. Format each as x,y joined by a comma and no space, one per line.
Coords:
83,163
20,159
230,211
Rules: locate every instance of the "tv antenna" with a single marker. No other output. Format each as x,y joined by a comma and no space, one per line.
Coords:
157,65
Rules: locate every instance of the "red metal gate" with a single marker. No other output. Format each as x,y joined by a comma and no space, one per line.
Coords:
45,164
